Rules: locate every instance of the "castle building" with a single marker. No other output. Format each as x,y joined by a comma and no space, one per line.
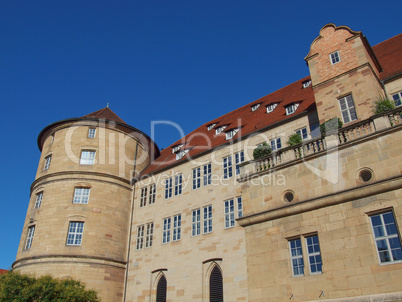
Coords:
317,218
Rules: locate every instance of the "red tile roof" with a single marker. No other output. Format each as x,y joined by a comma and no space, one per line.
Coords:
105,113
3,271
201,140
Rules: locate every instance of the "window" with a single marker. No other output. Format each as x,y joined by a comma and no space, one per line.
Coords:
81,195
181,153
91,132
291,109
176,227
152,193
140,237
149,235
176,148
166,230
397,97
143,198
52,138
75,231
271,107
48,159
168,188
313,255
207,174
347,109
227,167
161,290
38,200
334,57
306,83
230,211
239,158
167,227
231,133
211,126
195,223
276,144
296,257
303,133
30,235
207,219
87,158
220,129
196,178
386,237
178,180
255,107
216,285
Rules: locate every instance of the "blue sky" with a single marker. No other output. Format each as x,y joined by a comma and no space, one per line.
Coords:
184,61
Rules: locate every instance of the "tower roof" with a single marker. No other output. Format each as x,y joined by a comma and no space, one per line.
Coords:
105,113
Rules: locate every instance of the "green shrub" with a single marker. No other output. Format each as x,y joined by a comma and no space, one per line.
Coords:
333,124
25,288
383,105
261,151
295,139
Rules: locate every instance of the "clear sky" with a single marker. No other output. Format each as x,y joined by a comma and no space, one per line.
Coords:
184,61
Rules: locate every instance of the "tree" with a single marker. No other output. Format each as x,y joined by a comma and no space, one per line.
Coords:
25,288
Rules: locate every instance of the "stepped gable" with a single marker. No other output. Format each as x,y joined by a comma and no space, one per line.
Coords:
389,54
105,113
201,140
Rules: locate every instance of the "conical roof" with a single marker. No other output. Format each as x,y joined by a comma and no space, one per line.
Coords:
105,113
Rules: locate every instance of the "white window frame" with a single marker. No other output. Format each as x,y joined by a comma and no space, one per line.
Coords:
207,219
178,184
149,235
81,195
207,174
233,208
334,57
169,187
296,257
48,160
30,235
239,207
211,126
220,129
196,178
306,83
275,144
312,253
38,200
291,108
166,230
176,235
348,112
152,194
91,132
143,197
303,133
397,97
180,154
87,157
176,148
271,107
255,107
227,167
195,222
382,233
140,237
231,133
75,233
239,158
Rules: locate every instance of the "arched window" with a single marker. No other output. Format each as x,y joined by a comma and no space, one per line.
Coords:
161,289
216,285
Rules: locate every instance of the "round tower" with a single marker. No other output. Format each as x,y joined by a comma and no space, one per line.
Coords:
78,218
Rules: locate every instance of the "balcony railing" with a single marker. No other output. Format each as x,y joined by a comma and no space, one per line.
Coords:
319,145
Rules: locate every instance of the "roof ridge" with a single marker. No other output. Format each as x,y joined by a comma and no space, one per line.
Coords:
105,113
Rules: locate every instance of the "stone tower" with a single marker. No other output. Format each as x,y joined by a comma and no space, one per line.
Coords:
78,218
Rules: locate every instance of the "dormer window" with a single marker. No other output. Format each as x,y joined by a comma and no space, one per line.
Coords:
271,107
231,133
334,57
220,129
176,148
211,126
181,153
291,109
255,107
306,83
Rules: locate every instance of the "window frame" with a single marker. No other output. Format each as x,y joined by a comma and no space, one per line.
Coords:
255,107
398,101
207,174
48,160
196,178
143,197
152,194
232,211
87,157
178,184
168,187
176,228
166,231
207,219
275,143
81,197
300,132
77,233
334,57
313,254
239,158
149,234
290,109
140,237
30,236
196,222
296,257
348,110
227,167
38,200
91,132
